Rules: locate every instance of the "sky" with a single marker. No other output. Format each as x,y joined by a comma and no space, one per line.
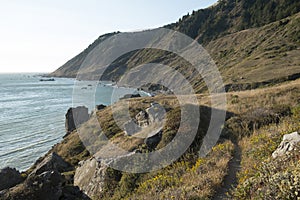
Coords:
41,35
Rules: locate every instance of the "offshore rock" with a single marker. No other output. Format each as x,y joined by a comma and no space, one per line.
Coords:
75,117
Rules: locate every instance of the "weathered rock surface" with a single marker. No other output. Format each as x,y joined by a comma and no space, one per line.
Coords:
75,117
142,118
47,185
128,96
153,141
90,177
44,182
131,128
152,115
9,177
100,107
288,144
51,162
156,113
93,175
50,185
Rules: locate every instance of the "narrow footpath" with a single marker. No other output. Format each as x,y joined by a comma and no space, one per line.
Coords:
230,180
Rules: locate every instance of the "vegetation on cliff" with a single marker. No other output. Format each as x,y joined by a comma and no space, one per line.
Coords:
256,46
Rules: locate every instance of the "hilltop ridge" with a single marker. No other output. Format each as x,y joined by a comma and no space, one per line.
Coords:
253,44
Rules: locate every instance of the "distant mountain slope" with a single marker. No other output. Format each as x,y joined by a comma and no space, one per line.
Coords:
229,16
257,55
70,68
265,53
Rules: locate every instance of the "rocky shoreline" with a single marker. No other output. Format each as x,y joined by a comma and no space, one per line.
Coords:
49,177
53,177
68,171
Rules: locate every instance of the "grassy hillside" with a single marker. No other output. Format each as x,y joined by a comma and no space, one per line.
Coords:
229,16
256,46
192,177
255,51
247,59
71,67
259,56
261,175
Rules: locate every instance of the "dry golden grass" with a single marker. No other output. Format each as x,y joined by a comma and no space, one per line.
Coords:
254,55
187,178
287,93
257,162
208,174
184,180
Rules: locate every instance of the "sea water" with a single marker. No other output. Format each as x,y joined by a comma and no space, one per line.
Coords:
32,113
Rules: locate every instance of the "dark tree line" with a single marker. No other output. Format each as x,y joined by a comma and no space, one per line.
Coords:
233,15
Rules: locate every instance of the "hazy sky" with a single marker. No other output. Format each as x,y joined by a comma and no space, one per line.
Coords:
41,35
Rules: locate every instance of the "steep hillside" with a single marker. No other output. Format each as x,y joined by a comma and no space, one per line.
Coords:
259,118
229,16
246,59
249,46
259,56
70,68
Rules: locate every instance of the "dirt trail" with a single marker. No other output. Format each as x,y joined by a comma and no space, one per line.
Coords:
230,180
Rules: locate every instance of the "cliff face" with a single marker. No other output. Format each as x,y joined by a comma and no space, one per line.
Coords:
254,44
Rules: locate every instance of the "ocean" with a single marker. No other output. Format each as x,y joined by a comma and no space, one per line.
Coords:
32,113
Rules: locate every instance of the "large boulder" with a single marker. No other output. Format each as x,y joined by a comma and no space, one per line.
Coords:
156,113
131,128
152,116
90,177
93,176
289,142
47,185
50,163
75,117
9,177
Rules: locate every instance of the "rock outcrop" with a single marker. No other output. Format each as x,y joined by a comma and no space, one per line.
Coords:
100,107
131,128
75,117
142,118
47,185
9,177
289,143
128,96
152,115
153,141
90,177
51,162
156,113
46,181
93,175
